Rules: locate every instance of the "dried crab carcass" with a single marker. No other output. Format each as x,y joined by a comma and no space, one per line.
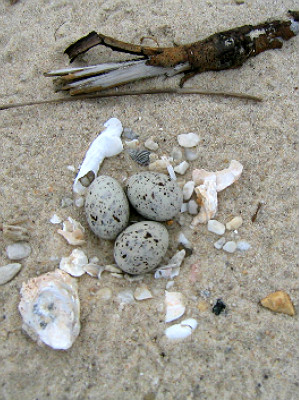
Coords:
50,309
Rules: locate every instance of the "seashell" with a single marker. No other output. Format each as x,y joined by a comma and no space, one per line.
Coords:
207,193
142,157
74,264
55,219
94,270
8,272
182,330
151,144
73,232
188,190
15,232
107,144
50,309
174,306
172,269
142,293
181,168
235,223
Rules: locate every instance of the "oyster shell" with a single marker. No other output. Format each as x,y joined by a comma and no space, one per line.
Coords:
50,309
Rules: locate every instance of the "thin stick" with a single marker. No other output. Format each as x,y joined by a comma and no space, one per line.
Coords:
242,96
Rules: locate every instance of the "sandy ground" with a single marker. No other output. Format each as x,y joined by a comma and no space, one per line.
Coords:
122,353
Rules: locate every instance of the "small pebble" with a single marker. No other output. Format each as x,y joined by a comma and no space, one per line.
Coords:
184,207
216,227
230,247
220,243
151,144
132,144
192,207
71,168
188,190
242,245
176,154
128,133
181,168
188,139
79,202
17,251
169,285
279,302
8,272
235,223
191,155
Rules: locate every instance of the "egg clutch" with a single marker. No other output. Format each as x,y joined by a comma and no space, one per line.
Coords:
139,247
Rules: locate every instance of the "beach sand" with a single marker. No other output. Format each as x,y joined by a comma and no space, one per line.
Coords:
122,353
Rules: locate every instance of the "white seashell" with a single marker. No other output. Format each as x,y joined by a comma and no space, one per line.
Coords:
93,270
174,306
176,154
113,268
50,309
183,240
107,144
55,219
169,285
172,269
188,190
73,232
182,330
188,139
216,227
229,175
74,264
79,201
8,272
224,178
181,168
235,223
208,195
126,296
169,167
142,293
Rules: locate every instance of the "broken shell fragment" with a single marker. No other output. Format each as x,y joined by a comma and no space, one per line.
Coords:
18,251
174,306
73,232
207,194
74,264
182,330
216,227
142,293
50,309
181,168
188,190
8,272
279,302
172,269
94,270
107,144
15,232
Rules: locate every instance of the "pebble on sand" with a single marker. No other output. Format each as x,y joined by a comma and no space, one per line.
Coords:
188,139
8,272
216,227
279,302
18,251
230,246
235,223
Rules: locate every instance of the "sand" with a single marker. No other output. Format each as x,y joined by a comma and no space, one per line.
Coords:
121,352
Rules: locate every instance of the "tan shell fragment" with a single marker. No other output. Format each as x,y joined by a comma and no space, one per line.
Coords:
73,232
207,193
279,302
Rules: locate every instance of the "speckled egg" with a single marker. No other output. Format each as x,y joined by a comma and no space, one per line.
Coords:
154,195
106,207
141,247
